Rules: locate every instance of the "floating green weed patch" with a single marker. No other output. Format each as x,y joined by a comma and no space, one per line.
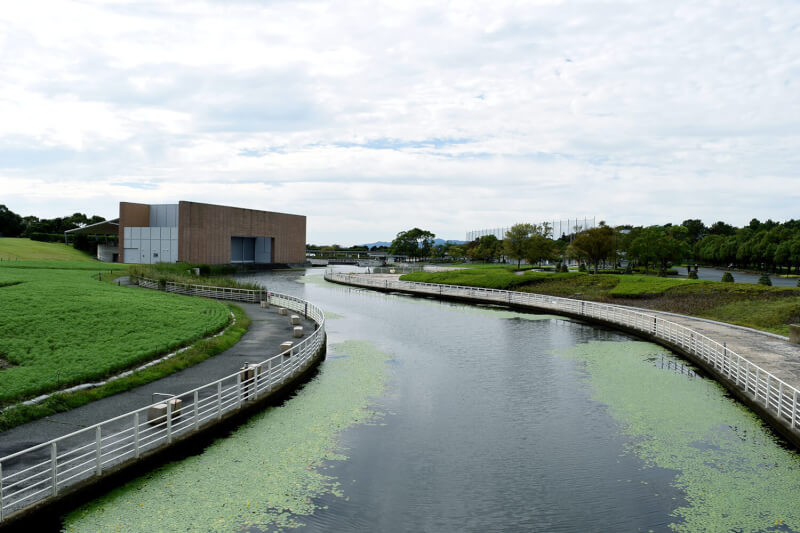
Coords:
735,475
266,474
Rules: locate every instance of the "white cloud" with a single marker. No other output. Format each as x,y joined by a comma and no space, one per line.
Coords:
372,118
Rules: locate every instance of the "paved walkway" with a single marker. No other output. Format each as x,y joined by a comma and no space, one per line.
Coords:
773,353
267,331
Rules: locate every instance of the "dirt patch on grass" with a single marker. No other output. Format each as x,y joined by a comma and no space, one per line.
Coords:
5,363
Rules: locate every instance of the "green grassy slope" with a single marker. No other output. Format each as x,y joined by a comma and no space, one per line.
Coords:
25,249
61,326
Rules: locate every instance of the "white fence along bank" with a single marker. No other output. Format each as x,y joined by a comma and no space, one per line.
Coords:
40,472
766,390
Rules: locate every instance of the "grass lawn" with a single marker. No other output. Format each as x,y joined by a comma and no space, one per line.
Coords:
60,326
14,249
757,306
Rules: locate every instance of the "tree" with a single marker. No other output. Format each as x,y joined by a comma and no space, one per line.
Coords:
516,241
413,243
594,245
695,228
456,252
11,224
486,248
539,247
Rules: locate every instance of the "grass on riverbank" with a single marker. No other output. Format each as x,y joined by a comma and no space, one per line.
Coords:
184,273
757,306
62,327
196,353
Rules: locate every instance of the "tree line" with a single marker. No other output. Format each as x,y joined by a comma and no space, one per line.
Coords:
14,225
765,246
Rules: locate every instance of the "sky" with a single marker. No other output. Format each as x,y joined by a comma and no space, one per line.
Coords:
372,117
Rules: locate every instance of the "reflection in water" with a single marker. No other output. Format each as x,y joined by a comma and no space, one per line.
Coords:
504,421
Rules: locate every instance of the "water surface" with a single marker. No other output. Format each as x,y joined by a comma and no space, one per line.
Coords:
489,420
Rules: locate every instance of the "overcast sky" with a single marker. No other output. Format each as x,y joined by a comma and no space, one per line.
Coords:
375,117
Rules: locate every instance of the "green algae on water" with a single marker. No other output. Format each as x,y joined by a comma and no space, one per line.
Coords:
735,475
266,474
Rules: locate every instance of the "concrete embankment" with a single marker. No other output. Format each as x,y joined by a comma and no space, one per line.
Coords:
761,369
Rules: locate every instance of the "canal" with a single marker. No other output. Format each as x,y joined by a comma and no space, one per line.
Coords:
435,416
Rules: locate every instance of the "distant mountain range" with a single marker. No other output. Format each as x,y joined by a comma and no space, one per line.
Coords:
435,242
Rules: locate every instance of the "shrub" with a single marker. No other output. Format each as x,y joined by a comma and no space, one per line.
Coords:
764,280
564,268
727,277
798,282
582,268
693,274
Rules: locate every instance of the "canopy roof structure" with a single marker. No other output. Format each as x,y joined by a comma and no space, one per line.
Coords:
106,227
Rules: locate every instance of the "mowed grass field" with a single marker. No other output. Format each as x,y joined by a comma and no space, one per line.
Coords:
757,306
60,326
13,249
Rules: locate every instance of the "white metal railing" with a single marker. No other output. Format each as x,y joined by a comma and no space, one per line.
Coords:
41,471
774,394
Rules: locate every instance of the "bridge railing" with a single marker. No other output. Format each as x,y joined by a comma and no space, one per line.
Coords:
42,471
778,397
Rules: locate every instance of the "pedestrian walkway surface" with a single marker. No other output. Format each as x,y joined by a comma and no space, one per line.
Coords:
267,331
773,353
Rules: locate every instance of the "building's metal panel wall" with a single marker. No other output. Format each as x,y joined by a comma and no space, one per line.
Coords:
163,215
263,250
206,230
150,245
131,214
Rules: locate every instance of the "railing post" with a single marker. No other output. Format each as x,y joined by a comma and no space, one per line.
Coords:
269,374
758,380
196,412
54,466
98,452
136,433
766,400
219,400
780,398
1,492
794,418
169,420
238,390
747,376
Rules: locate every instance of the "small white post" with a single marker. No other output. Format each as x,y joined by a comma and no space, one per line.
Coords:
766,400
238,390
780,398
1,492
219,400
54,467
794,419
98,452
136,433
169,420
196,412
